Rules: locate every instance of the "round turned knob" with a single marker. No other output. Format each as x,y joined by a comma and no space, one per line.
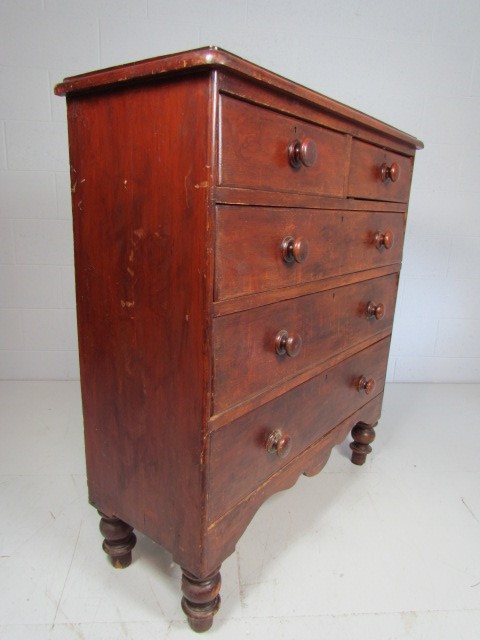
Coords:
279,443
366,385
390,173
383,240
294,249
302,152
375,310
288,343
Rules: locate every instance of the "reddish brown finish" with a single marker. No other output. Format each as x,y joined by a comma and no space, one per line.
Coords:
242,303
390,173
289,104
328,322
210,58
119,540
384,240
322,401
233,288
220,420
260,197
254,151
279,443
130,212
288,344
302,152
224,531
365,385
201,599
294,249
370,175
375,310
363,435
250,246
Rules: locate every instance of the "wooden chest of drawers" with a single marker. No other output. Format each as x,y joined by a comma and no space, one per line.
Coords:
238,241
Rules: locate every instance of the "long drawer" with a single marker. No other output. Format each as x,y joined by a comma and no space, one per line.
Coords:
260,248
249,450
262,149
377,174
257,348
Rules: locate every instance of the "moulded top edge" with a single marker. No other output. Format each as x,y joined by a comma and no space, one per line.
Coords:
215,57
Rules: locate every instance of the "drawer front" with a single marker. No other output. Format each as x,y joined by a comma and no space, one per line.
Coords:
263,248
257,151
239,459
376,174
257,348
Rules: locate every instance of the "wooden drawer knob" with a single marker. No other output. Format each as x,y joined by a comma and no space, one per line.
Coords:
390,173
294,249
288,343
383,240
302,152
279,443
375,310
366,385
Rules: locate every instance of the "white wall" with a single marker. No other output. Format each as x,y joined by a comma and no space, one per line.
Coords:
414,64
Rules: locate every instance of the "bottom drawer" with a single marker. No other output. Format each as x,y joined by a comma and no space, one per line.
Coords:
239,457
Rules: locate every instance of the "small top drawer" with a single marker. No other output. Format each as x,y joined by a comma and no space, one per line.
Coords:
377,174
262,149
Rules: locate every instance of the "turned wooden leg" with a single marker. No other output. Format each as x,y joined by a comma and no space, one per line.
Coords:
362,434
119,540
201,599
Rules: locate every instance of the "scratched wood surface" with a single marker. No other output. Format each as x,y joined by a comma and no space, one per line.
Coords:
183,189
249,256
328,323
142,307
238,460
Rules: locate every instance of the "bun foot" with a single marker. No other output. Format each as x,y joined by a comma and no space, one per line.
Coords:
119,540
201,599
362,434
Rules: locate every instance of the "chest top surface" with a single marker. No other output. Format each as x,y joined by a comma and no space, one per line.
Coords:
212,57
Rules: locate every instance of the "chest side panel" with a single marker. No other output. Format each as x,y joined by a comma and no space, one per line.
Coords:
140,175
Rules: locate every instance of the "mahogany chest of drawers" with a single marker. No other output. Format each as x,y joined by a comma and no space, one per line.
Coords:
238,241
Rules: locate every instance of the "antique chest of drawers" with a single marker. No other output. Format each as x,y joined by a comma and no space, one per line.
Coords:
238,241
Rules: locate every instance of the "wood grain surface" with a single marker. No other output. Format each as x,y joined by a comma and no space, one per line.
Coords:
249,259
